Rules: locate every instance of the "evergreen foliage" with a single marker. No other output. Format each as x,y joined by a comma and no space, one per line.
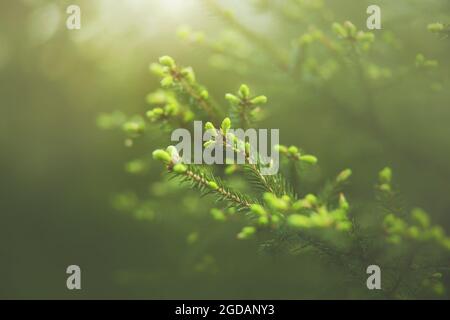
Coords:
412,251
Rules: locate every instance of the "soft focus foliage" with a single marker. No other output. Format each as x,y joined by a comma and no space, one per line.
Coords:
278,214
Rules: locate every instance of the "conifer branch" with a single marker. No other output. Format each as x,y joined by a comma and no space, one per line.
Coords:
322,219
183,80
201,179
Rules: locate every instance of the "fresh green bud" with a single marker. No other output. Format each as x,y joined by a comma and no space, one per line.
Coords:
218,214
275,219
414,232
344,175
421,217
167,81
340,30
232,98
259,100
226,125
338,215
213,185
157,98
420,59
435,27
256,112
244,91
246,233
280,148
188,116
343,204
162,155
311,199
293,150
125,201
321,220
189,74
158,111
171,109
111,120
309,159
157,69
247,148
263,220
300,204
274,202
136,166
437,233
365,36
385,175
204,94
258,209
230,169
134,128
209,126
393,224
167,61
350,27
144,212
179,168
155,114
299,221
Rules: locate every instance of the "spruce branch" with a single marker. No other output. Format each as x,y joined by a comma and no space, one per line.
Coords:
201,179
245,109
275,184
183,80
323,220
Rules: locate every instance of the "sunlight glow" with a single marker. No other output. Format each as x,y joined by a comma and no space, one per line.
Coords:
168,7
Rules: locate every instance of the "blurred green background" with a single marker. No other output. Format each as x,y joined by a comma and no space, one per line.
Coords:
59,171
